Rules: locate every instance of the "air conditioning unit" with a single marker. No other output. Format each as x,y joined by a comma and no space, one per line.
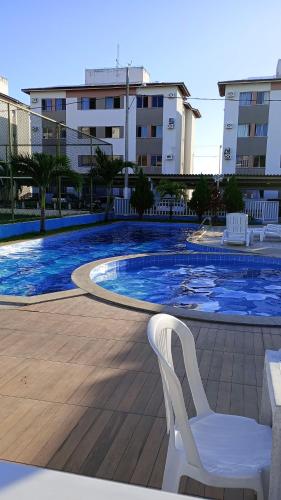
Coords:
227,154
34,100
171,125
230,94
229,125
170,157
35,129
172,94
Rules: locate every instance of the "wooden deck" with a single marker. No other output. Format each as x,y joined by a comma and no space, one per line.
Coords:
80,388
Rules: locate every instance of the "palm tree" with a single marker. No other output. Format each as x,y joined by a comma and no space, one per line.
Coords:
142,198
43,168
106,170
173,189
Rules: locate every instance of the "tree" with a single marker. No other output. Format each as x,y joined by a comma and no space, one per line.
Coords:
232,196
174,190
201,196
106,170
142,198
216,201
43,169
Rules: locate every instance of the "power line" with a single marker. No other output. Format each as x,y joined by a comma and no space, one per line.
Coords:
215,99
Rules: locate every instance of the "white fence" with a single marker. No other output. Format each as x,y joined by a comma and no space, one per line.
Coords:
266,211
180,208
36,212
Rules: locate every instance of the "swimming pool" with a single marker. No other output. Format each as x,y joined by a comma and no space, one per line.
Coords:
221,283
45,265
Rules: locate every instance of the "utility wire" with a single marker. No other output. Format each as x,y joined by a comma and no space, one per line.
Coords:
218,99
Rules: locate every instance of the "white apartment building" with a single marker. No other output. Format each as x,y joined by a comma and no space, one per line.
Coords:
161,122
14,123
252,117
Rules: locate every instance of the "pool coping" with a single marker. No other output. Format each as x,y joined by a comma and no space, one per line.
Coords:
22,300
81,278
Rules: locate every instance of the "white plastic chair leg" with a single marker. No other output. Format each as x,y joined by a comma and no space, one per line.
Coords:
172,472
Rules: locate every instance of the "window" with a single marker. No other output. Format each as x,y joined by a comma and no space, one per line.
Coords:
242,161
142,101
86,160
245,98
261,130
142,132
243,130
112,103
48,133
156,160
142,160
47,105
157,101
86,130
59,104
63,133
113,132
156,131
259,161
86,103
262,98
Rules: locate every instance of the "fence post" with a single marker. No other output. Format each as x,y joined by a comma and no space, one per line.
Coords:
9,157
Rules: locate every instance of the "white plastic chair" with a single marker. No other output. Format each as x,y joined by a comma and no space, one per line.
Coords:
237,231
219,450
272,230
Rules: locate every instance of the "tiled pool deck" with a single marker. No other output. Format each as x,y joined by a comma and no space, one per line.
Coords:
80,388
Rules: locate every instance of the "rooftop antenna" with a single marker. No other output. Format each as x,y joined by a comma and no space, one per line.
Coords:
117,59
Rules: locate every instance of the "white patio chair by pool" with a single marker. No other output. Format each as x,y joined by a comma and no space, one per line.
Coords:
272,230
237,231
218,450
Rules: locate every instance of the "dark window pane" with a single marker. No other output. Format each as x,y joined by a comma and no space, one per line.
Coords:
92,103
108,132
116,102
139,101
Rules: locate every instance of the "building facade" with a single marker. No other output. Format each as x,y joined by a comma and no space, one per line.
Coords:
14,124
252,117
160,120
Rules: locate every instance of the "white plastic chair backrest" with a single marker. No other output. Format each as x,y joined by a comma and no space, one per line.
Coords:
159,331
237,223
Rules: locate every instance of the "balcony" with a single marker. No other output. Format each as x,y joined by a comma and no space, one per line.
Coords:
249,170
245,167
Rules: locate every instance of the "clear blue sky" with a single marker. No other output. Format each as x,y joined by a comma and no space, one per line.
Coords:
198,42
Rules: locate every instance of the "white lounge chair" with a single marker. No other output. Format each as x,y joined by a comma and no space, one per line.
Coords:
272,230
237,231
218,450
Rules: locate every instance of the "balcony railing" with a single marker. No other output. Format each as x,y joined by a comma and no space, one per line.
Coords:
243,170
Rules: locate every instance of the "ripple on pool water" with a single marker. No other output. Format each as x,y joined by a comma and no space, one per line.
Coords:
234,288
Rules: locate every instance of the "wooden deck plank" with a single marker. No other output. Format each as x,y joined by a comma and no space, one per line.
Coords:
80,388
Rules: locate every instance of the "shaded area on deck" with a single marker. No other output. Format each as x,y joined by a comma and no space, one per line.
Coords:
80,388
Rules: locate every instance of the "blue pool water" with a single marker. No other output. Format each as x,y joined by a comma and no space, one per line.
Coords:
45,265
225,284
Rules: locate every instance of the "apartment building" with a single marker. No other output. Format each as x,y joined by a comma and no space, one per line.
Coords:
14,123
252,118
161,122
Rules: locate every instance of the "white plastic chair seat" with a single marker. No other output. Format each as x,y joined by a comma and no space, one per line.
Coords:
230,445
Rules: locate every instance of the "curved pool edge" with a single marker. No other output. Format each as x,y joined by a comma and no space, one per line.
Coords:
81,278
22,300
